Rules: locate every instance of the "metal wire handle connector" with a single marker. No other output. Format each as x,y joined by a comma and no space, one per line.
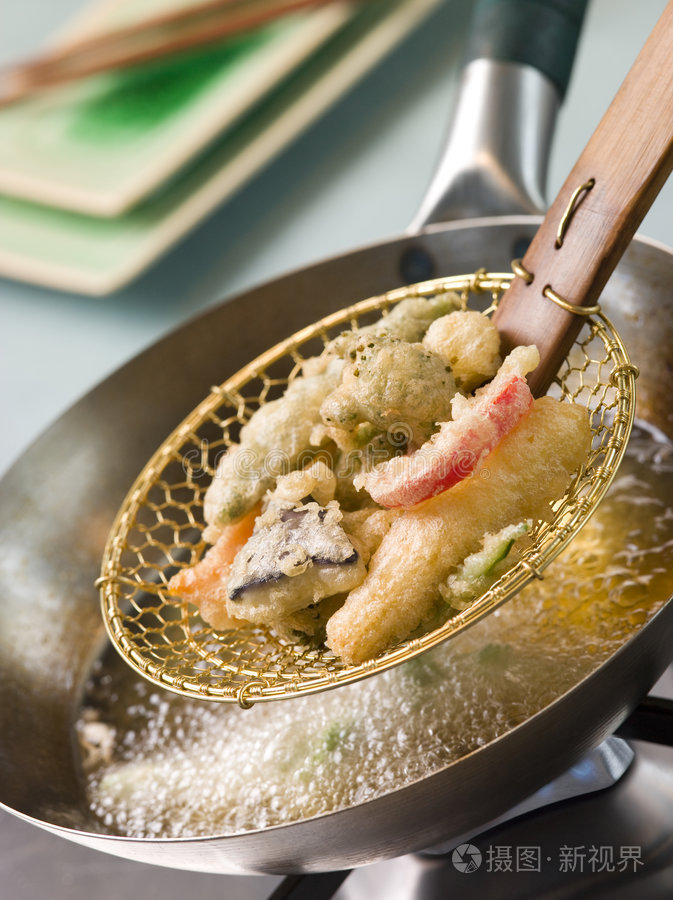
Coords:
519,269
575,200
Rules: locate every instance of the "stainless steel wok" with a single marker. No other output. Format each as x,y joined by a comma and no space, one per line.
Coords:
58,502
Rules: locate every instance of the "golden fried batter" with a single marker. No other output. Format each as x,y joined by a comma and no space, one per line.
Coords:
394,386
469,343
530,467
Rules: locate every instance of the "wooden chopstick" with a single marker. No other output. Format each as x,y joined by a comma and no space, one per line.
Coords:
168,33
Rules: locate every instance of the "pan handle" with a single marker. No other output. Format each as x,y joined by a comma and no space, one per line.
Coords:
517,67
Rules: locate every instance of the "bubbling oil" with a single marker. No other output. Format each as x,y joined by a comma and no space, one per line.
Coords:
160,765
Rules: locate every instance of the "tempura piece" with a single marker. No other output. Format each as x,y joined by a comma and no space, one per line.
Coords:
468,342
479,423
366,528
530,467
407,321
317,482
296,556
392,385
270,444
205,584
480,570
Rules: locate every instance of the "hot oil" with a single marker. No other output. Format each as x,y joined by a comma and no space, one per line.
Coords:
161,765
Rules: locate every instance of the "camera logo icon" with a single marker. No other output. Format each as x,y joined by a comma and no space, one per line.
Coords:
466,858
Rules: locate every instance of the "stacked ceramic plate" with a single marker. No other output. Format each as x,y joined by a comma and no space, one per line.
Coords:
102,175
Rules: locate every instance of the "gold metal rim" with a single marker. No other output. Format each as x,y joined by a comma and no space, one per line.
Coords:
132,581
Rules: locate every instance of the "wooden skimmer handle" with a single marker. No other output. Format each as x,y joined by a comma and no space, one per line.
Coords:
596,213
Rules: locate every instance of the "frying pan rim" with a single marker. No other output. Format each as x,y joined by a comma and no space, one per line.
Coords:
245,836
529,723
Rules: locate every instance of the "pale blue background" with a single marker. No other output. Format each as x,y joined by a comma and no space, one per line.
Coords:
356,177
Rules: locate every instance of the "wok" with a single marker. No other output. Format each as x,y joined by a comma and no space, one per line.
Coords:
59,500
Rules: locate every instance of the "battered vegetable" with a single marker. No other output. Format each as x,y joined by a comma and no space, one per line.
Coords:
391,384
469,343
407,321
457,448
481,569
530,467
270,444
278,434
303,543
205,584
296,556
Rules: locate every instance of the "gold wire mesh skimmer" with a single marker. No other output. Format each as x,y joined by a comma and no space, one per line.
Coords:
159,526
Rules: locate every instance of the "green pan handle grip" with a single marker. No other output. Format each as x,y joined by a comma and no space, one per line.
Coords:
538,33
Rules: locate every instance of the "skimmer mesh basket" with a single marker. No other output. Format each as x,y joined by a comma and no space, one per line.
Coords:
158,529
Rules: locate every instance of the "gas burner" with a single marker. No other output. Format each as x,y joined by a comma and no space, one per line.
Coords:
616,842
606,826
